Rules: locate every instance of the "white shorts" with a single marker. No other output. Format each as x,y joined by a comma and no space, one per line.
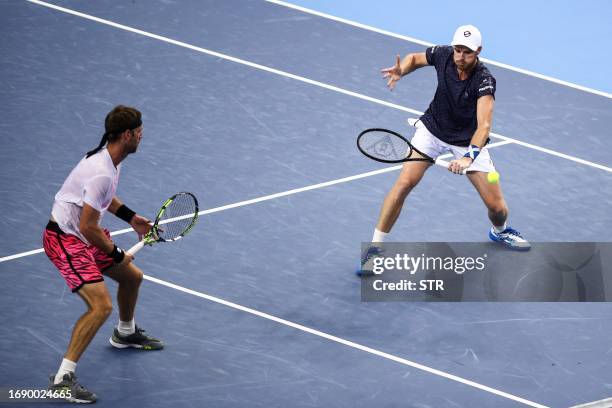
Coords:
424,141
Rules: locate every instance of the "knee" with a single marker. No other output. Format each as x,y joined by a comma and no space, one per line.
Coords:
102,309
131,276
136,277
403,187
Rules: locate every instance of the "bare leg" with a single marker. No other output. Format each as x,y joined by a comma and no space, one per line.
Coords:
492,197
129,278
99,306
410,176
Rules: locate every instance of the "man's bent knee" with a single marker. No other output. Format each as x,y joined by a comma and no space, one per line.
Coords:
133,275
102,307
101,312
129,274
404,186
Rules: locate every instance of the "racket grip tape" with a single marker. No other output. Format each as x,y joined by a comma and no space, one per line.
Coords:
136,248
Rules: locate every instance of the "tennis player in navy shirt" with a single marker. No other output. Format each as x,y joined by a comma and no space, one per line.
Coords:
458,121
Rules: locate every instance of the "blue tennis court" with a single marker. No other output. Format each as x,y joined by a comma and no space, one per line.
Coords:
254,107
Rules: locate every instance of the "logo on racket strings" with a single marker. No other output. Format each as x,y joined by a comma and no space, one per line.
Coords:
383,148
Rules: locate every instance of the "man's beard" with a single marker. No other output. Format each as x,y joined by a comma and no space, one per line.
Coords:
466,66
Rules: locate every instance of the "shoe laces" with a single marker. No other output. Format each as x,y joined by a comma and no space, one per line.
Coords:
143,333
513,232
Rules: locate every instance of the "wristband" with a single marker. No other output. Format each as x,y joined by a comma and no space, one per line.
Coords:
117,254
473,152
125,213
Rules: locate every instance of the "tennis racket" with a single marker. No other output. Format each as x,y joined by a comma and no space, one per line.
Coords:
387,146
174,220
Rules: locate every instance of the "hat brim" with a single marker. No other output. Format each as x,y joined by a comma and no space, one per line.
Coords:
465,44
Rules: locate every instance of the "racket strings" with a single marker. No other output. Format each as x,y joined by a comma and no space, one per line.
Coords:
178,217
384,146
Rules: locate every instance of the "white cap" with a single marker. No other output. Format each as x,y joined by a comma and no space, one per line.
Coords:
469,36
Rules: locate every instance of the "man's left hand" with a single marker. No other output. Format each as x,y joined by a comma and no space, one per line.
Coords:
141,225
457,166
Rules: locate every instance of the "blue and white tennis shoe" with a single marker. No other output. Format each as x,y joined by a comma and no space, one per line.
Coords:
367,261
510,238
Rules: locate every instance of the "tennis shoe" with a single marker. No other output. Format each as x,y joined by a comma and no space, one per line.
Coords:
139,340
70,390
367,261
510,238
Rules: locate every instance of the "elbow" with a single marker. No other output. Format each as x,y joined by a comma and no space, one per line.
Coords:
485,127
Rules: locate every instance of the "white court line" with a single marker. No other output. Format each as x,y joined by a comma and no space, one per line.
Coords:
604,403
22,254
299,78
265,198
428,44
347,343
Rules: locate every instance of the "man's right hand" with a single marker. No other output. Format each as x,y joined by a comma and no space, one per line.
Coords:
126,259
393,74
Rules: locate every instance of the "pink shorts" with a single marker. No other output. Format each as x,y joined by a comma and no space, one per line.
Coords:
77,262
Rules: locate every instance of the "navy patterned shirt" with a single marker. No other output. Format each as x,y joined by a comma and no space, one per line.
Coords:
451,116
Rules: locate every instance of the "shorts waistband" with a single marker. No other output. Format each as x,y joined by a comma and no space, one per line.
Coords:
53,226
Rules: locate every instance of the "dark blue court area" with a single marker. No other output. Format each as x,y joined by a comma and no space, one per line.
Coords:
243,99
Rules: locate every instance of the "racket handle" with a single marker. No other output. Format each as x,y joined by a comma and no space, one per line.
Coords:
136,248
445,164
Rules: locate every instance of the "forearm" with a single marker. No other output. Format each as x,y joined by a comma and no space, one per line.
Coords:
484,115
480,136
96,237
89,226
409,64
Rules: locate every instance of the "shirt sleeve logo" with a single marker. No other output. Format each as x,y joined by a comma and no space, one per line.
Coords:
486,83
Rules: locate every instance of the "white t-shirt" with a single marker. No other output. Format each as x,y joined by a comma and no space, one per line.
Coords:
93,181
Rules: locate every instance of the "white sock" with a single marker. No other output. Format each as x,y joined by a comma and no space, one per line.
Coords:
126,328
66,367
500,229
379,236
